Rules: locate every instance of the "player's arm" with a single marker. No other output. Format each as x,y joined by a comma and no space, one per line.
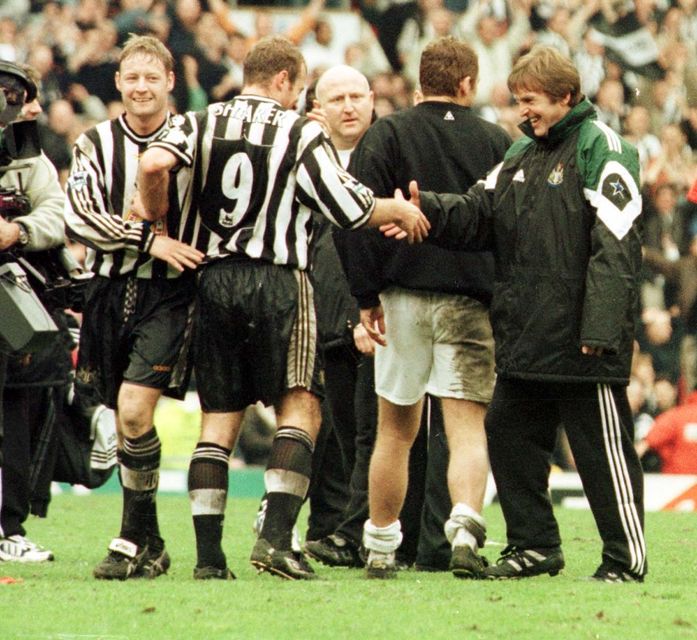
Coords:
175,146
347,203
153,181
88,218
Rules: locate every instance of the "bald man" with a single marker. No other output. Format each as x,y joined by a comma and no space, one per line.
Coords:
343,104
344,99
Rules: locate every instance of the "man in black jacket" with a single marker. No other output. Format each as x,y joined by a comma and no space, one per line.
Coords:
428,309
559,215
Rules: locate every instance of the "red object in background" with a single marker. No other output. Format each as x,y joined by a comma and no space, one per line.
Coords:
692,193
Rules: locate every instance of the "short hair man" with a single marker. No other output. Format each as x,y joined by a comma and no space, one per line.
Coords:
559,215
133,337
262,170
427,308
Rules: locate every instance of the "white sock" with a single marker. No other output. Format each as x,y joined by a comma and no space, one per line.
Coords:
382,539
456,530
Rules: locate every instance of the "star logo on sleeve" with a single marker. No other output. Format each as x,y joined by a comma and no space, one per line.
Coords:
615,189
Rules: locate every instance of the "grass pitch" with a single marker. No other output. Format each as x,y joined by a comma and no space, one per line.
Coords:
61,600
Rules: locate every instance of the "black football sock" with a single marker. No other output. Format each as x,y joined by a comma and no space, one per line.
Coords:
208,484
139,471
287,478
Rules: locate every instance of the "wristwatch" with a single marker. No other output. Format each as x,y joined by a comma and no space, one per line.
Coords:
23,240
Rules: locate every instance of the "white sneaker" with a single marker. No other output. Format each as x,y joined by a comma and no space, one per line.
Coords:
20,549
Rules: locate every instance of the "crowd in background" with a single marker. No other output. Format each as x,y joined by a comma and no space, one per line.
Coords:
638,64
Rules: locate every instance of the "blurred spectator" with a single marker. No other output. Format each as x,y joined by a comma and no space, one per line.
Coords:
94,64
89,14
665,394
682,276
674,164
661,337
637,396
642,370
663,102
673,437
320,49
390,93
637,129
564,27
609,103
58,134
16,9
589,59
688,124
665,227
141,17
495,42
383,106
431,20
235,52
88,105
202,36
51,84
9,49
55,26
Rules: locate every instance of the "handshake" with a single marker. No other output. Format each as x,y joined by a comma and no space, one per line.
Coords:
399,218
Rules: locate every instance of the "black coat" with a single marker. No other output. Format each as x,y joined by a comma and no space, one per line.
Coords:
560,216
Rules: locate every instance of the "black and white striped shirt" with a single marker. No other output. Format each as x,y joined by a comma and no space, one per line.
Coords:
263,170
100,190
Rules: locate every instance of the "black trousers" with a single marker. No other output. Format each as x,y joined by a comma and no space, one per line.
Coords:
3,372
28,449
350,398
521,426
328,493
433,549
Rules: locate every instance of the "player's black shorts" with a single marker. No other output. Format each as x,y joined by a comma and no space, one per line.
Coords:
135,330
256,334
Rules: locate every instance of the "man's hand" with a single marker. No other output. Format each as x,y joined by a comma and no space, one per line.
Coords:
362,340
373,320
407,219
178,254
591,351
9,234
319,115
414,197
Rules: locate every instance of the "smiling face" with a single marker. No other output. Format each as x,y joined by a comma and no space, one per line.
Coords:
541,110
144,84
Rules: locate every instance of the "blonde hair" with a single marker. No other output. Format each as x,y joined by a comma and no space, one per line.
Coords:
148,46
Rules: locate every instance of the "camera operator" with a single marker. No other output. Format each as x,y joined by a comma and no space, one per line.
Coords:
31,221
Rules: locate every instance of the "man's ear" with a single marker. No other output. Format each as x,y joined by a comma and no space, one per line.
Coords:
465,87
117,81
280,78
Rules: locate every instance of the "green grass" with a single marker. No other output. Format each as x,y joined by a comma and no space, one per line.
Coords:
61,601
